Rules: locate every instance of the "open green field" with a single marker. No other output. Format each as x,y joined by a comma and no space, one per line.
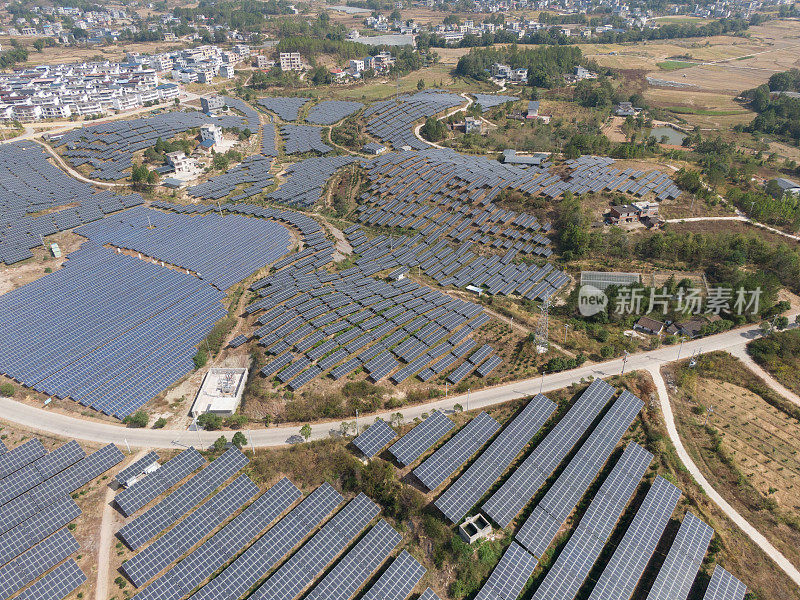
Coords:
674,65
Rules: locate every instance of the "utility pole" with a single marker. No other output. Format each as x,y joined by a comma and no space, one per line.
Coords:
127,445
680,347
356,422
624,361
566,326
541,382
468,390
709,410
252,446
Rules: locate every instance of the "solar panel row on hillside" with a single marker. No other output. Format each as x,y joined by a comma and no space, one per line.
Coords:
481,475
440,465
57,584
20,456
420,439
509,576
226,543
507,502
566,576
35,562
178,503
724,586
170,473
398,581
307,563
43,468
36,528
374,438
549,515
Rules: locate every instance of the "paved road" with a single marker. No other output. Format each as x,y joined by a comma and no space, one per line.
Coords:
740,218
750,531
89,430
741,354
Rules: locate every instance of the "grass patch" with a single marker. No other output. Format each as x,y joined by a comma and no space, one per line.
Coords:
674,65
686,110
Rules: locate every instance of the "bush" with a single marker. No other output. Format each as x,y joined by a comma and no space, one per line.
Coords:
220,444
200,358
236,421
210,421
239,439
160,423
7,390
138,419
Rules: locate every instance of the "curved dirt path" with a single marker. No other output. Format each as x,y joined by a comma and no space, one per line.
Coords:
444,116
77,175
742,523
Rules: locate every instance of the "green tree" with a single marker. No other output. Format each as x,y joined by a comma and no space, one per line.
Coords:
138,419
305,431
7,390
220,443
421,85
239,439
160,423
321,76
781,322
210,421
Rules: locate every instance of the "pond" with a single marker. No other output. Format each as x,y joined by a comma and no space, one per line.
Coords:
674,137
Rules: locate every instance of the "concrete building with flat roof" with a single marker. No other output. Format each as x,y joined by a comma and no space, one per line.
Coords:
221,392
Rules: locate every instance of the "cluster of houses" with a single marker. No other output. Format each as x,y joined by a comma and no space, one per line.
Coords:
293,61
691,328
63,91
46,20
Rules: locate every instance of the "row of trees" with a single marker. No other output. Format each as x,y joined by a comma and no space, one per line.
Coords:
546,65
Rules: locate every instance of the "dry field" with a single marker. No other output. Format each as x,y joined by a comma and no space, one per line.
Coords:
759,437
60,54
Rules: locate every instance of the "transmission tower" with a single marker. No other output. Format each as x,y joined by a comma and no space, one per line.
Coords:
541,335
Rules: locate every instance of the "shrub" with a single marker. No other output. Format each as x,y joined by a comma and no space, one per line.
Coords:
220,444
138,419
160,423
209,421
7,390
239,439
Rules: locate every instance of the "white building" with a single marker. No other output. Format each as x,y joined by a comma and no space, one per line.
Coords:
290,61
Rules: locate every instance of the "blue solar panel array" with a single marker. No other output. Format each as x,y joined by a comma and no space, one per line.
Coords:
253,172
36,472
35,562
298,139
212,554
329,112
199,244
108,331
285,107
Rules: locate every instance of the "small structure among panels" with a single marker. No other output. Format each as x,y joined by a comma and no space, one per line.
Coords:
601,279
675,578
130,474
420,439
374,438
724,586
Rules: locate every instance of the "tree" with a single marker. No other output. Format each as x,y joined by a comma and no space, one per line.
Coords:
160,423
320,75
7,390
395,16
220,162
209,421
433,130
421,85
239,439
305,431
781,322
267,420
765,327
220,444
138,419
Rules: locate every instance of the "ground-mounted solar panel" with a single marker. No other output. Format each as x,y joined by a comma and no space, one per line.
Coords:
623,571
398,580
178,503
36,528
429,594
675,578
375,438
251,566
170,546
543,523
35,562
57,584
571,568
306,564
460,497
519,489
510,575
136,468
20,456
420,439
356,567
724,586
446,460
170,473
38,471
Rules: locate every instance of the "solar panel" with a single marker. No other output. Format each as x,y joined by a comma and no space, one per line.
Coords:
36,528
170,473
440,465
35,562
249,568
724,586
39,470
398,581
546,519
20,456
420,439
460,497
307,563
178,503
57,584
566,576
506,503
429,594
374,438
621,574
136,468
170,546
510,575
675,578
356,567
